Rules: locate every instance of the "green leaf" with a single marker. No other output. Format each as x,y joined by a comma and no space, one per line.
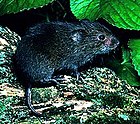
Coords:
123,14
82,9
125,70
134,45
125,56
14,6
119,13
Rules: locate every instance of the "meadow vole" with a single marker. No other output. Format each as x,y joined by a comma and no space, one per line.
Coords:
53,47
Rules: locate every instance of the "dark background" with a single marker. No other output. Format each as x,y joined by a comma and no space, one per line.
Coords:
56,11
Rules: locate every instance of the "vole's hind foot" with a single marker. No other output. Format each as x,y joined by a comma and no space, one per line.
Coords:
54,81
51,82
60,79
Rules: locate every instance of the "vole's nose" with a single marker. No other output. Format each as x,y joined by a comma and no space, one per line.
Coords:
115,42
108,42
112,42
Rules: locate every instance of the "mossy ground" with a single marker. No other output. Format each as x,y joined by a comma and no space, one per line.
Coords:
101,98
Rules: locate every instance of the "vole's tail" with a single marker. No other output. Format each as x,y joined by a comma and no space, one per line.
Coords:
28,101
28,93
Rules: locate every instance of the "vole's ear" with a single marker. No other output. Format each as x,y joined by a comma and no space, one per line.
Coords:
78,34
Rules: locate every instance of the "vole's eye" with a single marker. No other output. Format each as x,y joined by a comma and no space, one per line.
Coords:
101,37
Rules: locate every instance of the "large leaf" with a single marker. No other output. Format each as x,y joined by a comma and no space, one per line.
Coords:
125,70
123,14
134,45
89,9
14,6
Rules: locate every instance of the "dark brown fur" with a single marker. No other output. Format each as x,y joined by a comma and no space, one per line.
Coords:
55,47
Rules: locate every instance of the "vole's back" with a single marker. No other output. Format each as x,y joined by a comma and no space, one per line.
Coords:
56,46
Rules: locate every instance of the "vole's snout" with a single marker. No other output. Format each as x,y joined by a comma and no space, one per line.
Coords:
112,42
115,42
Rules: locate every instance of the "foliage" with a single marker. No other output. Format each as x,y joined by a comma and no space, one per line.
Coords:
119,13
6,111
9,115
125,69
14,6
134,45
